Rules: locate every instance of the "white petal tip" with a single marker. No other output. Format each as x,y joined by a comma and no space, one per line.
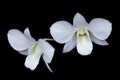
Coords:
85,53
48,67
105,44
64,51
31,68
77,13
51,71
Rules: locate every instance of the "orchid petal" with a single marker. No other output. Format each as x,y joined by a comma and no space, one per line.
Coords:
70,45
84,45
28,35
47,49
34,54
98,41
61,31
100,28
18,40
79,21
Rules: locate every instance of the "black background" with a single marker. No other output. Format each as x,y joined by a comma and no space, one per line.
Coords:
39,16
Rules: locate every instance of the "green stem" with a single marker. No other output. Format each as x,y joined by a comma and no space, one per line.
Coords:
48,39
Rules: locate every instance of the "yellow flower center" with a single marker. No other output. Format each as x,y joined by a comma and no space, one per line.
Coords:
82,32
35,48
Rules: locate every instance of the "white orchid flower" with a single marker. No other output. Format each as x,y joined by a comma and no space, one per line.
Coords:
81,34
34,50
